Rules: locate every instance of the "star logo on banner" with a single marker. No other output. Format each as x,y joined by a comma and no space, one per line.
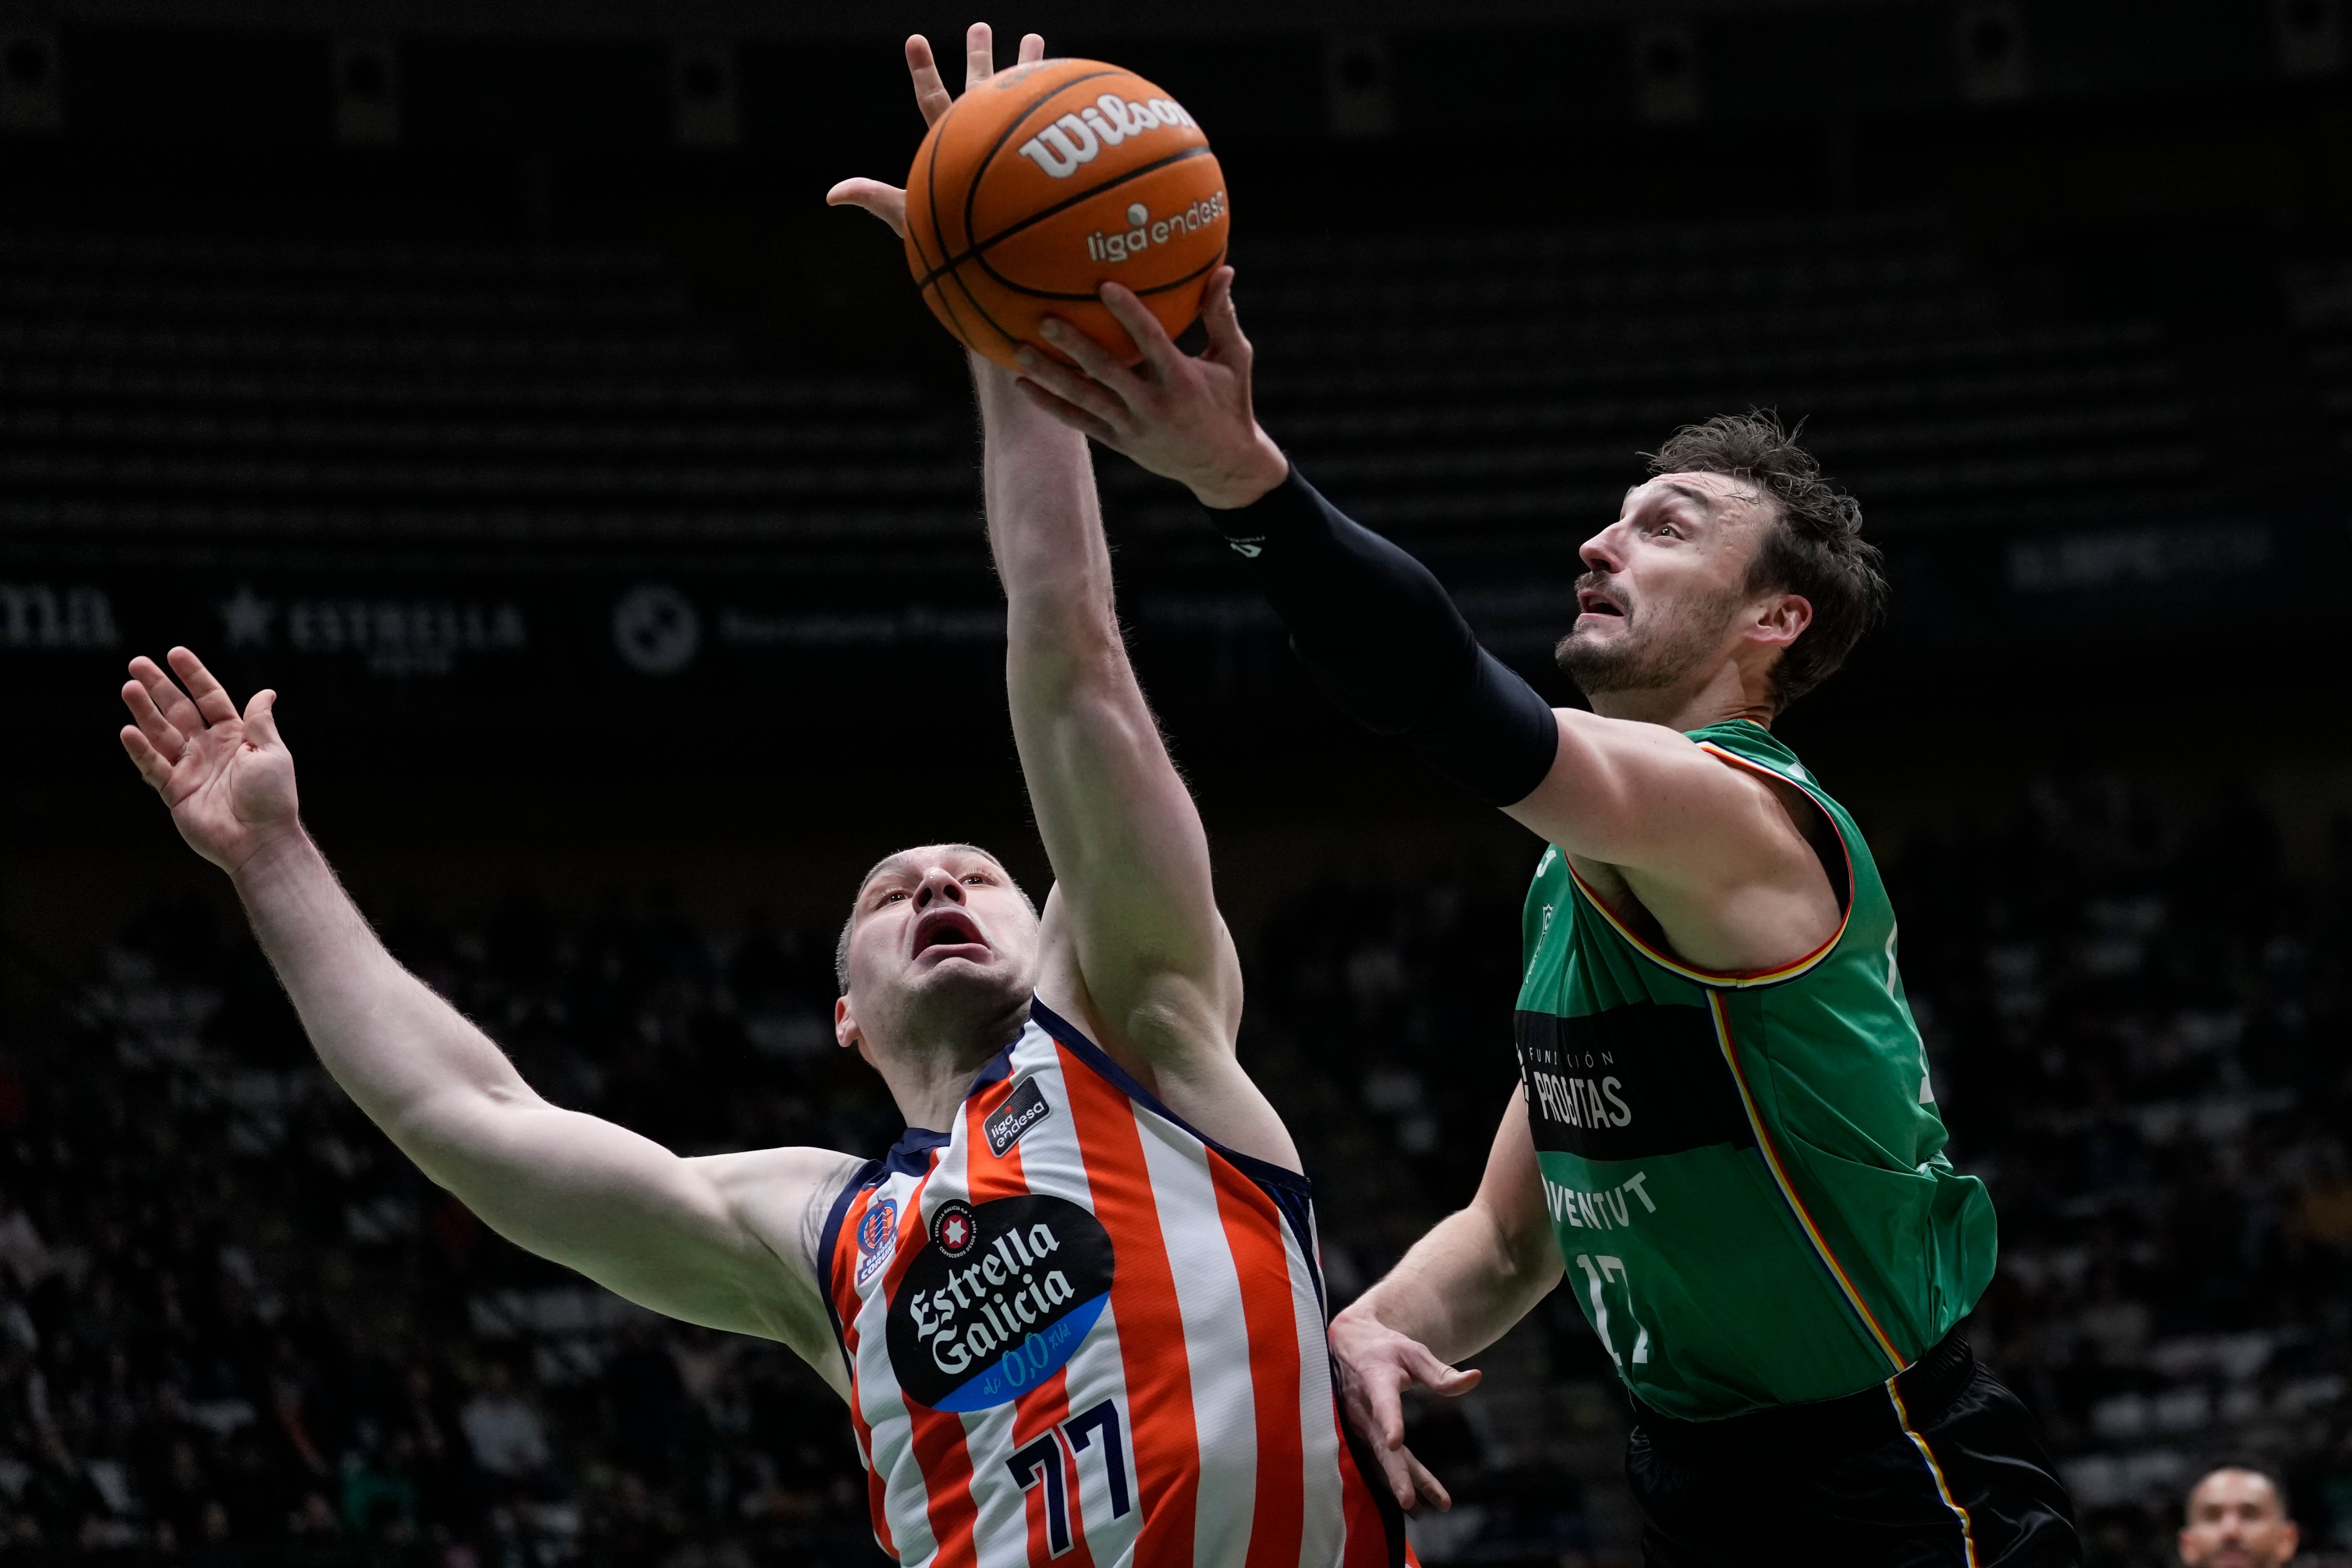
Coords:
956,1234
245,617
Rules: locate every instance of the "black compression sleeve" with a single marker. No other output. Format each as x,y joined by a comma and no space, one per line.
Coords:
1379,632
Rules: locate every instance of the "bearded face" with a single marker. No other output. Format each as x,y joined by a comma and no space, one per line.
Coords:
1624,643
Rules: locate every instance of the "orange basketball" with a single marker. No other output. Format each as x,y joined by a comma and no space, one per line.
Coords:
1049,179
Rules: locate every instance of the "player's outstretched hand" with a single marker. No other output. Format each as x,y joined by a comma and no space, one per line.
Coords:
1184,418
227,776
888,202
1377,1364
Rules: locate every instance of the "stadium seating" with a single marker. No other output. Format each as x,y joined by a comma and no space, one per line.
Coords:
481,394
1467,391
2319,303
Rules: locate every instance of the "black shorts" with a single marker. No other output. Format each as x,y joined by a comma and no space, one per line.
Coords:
1852,1483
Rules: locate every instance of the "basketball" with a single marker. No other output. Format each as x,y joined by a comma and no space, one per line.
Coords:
1044,182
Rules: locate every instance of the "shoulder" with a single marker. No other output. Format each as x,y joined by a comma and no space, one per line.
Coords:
780,1199
1771,771
1661,767
794,1166
782,1196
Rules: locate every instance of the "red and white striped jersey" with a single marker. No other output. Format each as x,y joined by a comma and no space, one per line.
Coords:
1078,1331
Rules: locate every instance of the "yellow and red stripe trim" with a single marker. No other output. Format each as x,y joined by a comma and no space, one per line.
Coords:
1772,1162
1968,1526
1735,979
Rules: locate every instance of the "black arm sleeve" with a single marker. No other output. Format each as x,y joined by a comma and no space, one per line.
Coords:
1379,632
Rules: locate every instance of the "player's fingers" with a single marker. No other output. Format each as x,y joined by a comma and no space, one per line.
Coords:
862,192
1159,350
1099,363
1382,1412
145,757
261,718
931,95
1433,1373
1431,1491
166,695
161,732
887,203
1074,386
1068,413
1396,1469
1033,49
212,698
1223,324
979,55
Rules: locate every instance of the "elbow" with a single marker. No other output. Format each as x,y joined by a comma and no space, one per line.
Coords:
1074,621
1068,651
1542,1265
1522,1250
1536,1265
452,1127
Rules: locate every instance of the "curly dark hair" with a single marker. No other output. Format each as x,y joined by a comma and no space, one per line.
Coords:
1815,547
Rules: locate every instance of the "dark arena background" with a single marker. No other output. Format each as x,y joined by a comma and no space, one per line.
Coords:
492,380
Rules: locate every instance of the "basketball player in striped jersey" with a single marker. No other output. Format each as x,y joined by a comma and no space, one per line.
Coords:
1077,1312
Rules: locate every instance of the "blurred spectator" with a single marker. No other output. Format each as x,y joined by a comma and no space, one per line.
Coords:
2237,1519
503,1430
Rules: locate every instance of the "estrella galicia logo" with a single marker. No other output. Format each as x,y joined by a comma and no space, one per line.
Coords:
982,1326
1022,1109
877,1236
953,1229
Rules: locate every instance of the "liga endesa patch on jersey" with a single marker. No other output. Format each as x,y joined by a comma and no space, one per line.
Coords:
1022,1109
997,1300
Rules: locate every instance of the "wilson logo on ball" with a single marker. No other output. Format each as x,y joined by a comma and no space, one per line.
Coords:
1075,139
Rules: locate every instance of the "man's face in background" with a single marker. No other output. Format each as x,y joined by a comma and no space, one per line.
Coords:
2237,1519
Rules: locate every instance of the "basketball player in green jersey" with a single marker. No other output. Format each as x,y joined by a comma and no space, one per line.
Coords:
1725,1139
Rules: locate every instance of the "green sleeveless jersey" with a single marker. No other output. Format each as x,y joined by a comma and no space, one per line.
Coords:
1746,1172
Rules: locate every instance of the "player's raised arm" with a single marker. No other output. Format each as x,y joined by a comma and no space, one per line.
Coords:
1133,938
727,1241
1719,856
1133,899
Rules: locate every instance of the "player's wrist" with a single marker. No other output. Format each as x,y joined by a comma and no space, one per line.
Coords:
1359,1320
271,857
1252,474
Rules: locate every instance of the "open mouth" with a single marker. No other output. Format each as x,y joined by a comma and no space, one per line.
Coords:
1593,602
946,927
